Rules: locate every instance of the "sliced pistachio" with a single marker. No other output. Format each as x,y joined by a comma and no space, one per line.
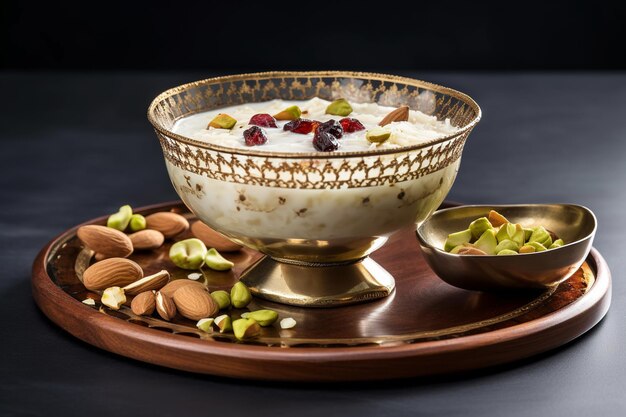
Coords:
215,261
222,121
290,113
288,323
240,295
456,239
541,235
507,252
478,227
378,134
507,244
339,107
263,317
188,253
205,325
496,219
137,223
557,244
221,298
113,297
224,323
538,246
120,219
246,328
527,249
487,242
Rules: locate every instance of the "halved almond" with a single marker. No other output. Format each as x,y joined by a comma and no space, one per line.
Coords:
151,282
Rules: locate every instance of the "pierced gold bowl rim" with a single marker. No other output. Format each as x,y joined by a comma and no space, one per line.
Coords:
312,155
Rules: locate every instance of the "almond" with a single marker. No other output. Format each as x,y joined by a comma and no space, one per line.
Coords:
143,304
195,303
147,239
173,286
168,223
151,282
213,238
165,306
112,272
106,241
401,114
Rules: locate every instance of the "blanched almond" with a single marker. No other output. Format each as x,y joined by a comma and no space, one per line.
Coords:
106,241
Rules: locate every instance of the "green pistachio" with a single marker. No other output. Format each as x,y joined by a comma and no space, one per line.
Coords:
188,253
339,107
290,113
507,252
240,295
541,235
120,219
527,233
538,246
222,121
478,227
215,261
378,134
246,328
508,245
511,231
221,298
527,249
137,222
224,323
205,325
263,317
456,239
487,242
557,244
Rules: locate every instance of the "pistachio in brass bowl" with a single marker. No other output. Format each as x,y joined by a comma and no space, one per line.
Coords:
576,225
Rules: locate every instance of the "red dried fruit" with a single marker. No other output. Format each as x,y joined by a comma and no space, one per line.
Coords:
325,142
302,126
263,120
254,136
351,125
332,126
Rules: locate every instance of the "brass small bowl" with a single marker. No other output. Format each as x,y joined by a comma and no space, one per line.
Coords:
576,225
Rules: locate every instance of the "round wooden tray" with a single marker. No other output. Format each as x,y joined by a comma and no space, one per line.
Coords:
425,327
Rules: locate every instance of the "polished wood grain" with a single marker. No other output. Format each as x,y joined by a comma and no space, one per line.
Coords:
407,334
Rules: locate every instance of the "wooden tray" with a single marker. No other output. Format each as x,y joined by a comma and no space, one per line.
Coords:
426,327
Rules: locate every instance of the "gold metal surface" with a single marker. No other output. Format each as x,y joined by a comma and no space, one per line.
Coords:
576,225
318,286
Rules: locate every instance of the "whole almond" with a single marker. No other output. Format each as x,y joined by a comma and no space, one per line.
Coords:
195,303
112,272
165,306
105,240
213,238
147,239
173,286
401,114
151,282
168,223
143,304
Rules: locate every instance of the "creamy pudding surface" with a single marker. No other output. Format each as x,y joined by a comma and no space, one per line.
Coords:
417,129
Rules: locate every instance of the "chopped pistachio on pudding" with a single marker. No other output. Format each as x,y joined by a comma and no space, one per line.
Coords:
313,125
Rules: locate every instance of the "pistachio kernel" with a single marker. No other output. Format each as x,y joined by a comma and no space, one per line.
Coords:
222,121
263,317
137,223
339,107
240,295
487,242
221,298
224,323
456,239
478,227
120,220
188,253
215,261
378,135
290,113
246,328
205,325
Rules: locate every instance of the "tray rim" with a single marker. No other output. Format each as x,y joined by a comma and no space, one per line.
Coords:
317,363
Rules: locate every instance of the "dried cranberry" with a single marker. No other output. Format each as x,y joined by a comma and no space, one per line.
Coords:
302,126
263,120
350,125
254,136
325,142
332,126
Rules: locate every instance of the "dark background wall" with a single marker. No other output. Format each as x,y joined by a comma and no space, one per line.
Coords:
274,34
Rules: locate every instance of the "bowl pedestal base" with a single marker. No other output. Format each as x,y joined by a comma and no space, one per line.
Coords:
318,286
